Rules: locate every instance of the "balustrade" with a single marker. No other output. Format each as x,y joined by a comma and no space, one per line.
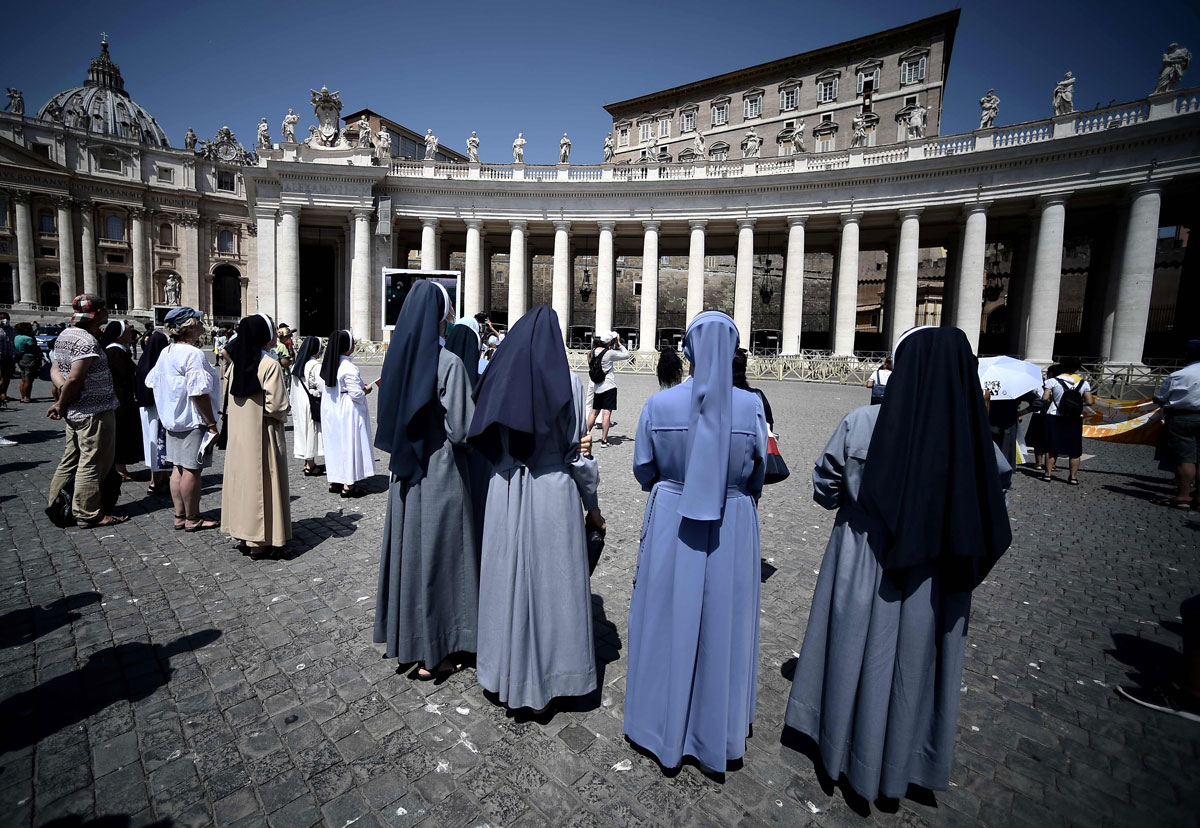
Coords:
829,161
1111,118
1029,133
889,155
950,146
496,173
457,172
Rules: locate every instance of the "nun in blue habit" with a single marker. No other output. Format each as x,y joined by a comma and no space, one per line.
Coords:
921,520
693,622
427,599
535,597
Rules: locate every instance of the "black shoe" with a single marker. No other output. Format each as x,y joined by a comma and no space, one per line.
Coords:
335,488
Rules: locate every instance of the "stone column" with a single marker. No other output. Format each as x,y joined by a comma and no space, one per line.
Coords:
518,263
265,281
695,281
87,231
360,274
904,304
1113,276
1027,289
1047,275
605,277
474,270
648,323
68,284
793,286
287,266
560,284
845,297
429,244
743,281
1137,276
193,283
26,273
968,311
143,298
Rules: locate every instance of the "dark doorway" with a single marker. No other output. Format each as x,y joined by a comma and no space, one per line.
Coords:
227,292
50,294
7,290
116,291
318,290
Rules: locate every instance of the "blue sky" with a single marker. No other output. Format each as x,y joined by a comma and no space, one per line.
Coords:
544,68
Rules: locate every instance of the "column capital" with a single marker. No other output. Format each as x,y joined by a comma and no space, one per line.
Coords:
910,212
797,221
261,213
698,224
429,221
361,213
1052,199
651,226
20,196
563,225
746,223
610,226
137,212
63,202
1145,188
518,224
474,223
976,207
289,210
850,218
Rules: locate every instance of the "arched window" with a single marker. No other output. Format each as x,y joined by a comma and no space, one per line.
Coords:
227,292
225,241
166,235
719,151
49,294
114,228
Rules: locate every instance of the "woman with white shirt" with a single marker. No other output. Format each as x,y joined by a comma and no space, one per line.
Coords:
185,390
878,381
1064,428
345,418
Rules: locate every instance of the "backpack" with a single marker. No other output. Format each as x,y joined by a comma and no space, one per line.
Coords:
596,366
1071,402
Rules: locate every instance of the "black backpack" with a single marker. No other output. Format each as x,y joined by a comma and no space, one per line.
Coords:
1071,402
596,366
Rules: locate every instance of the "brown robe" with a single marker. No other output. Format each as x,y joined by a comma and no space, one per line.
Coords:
255,505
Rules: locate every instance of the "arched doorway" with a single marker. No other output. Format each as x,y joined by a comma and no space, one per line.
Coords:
7,290
227,291
48,294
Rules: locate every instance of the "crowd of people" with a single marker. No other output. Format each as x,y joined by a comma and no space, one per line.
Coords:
492,500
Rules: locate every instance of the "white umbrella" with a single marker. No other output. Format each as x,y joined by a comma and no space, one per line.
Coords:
1008,378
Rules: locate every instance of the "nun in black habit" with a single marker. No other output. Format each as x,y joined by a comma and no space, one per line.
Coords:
428,595
878,678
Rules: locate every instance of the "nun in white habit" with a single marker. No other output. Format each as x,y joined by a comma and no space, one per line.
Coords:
306,393
345,418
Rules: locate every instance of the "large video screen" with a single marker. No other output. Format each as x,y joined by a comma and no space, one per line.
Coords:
397,283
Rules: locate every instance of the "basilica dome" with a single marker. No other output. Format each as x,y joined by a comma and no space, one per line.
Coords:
103,106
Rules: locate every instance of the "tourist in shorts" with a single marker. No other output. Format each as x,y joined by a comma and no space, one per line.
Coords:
607,351
1179,397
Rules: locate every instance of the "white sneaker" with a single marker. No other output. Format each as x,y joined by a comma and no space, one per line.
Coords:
4,441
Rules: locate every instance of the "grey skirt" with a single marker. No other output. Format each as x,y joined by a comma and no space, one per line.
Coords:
183,449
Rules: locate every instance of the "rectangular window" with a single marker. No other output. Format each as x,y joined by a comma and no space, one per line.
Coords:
226,181
827,90
664,261
910,100
825,143
408,148
687,122
720,154
110,163
623,137
166,175
42,150
46,223
720,114
643,132
786,148
664,127
753,107
3,213
48,252
872,76
912,71
827,118
789,99
637,288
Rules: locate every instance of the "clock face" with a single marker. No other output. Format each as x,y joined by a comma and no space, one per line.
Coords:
226,152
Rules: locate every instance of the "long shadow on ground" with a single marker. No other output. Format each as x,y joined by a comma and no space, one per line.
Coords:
26,625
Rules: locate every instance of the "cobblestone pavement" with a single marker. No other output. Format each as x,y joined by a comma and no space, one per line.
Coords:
162,678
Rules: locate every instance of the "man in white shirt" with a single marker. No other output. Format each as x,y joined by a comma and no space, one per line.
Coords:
607,351
1179,397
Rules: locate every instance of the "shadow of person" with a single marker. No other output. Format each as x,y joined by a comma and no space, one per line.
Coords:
40,435
25,625
309,533
1150,663
112,821
126,672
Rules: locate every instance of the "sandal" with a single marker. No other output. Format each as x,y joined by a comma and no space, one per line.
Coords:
158,488
107,520
180,522
335,488
199,524
1172,503
353,491
311,472
1047,478
1072,481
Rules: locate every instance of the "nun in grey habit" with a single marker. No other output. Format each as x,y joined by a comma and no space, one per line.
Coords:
877,682
427,599
535,601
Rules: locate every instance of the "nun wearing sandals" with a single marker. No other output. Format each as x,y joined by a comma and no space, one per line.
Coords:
427,600
878,678
345,418
535,598
701,452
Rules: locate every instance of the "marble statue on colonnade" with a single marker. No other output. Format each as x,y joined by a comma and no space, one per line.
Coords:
383,145
859,126
798,137
519,148
989,108
1174,64
608,149
327,134
289,126
751,144
564,150
16,102
189,140
364,133
917,121
1064,95
473,147
431,145
264,135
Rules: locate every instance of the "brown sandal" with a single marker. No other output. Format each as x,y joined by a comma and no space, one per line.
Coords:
106,520
199,524
180,522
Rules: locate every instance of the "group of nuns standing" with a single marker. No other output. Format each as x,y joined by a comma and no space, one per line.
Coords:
502,572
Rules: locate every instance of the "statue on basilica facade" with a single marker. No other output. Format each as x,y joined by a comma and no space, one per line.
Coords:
698,145
989,108
364,133
16,102
798,137
751,144
54,112
519,148
917,122
473,147
174,289
289,126
1174,64
327,106
608,149
189,140
564,149
1064,95
859,126
431,145
264,135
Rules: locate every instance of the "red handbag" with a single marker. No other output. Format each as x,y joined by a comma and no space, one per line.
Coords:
777,470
